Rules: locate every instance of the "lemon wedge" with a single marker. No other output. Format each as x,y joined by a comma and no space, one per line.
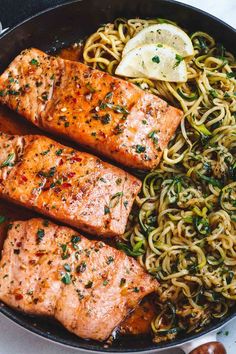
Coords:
164,33
153,61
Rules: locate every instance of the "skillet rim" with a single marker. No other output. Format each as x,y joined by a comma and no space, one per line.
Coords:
87,346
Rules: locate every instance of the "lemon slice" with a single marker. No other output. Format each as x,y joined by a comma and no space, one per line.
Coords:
163,33
153,61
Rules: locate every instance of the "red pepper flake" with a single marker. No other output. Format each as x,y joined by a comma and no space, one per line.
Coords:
102,134
18,297
66,185
24,179
71,174
32,261
75,159
39,254
61,162
19,244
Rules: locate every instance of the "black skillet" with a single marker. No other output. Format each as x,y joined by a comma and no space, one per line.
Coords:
61,26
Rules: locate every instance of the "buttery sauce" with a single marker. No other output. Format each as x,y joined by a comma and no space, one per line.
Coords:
139,321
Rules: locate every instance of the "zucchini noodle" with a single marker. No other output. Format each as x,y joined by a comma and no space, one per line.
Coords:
183,225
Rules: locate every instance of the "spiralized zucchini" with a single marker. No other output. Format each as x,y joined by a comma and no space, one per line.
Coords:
183,226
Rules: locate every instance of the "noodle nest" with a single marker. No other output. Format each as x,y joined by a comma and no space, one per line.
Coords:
183,226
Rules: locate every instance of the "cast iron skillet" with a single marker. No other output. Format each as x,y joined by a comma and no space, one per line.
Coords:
61,26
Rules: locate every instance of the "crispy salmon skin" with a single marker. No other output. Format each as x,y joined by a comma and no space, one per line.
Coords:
106,114
52,270
70,186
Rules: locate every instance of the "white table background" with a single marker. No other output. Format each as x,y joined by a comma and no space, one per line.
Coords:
15,340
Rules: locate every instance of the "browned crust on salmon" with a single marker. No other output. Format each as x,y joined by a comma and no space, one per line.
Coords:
106,114
52,270
73,187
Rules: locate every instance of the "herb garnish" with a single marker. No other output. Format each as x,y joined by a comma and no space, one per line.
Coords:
106,118
106,210
231,75
140,148
153,135
34,62
67,267
59,152
66,279
65,253
40,235
178,59
156,59
115,199
89,284
110,259
81,268
8,161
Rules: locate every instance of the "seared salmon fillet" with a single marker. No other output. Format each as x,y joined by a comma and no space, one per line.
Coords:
71,186
86,285
106,114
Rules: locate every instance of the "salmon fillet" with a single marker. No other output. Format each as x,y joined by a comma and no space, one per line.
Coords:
71,186
86,285
106,114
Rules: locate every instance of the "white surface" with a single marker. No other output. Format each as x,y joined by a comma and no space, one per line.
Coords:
15,340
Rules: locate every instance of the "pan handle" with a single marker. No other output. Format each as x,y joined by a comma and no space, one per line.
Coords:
210,348
204,345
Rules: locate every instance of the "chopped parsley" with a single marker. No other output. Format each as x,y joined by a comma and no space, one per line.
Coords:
125,204
106,210
65,253
48,174
40,235
8,161
81,268
105,282
34,62
110,259
139,149
89,284
136,289
74,240
67,267
153,135
59,152
90,88
103,180
178,59
156,59
115,199
213,93
108,95
106,118
231,75
66,279
44,152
